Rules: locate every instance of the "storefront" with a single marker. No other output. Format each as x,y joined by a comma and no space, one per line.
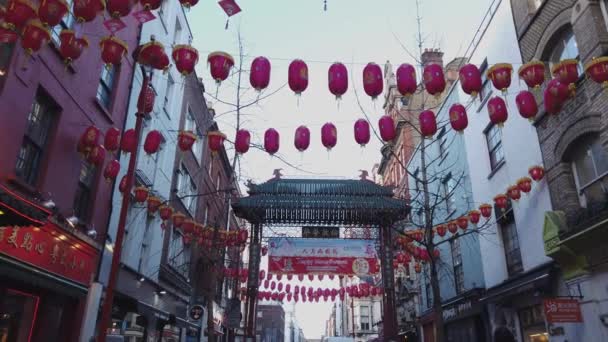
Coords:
463,318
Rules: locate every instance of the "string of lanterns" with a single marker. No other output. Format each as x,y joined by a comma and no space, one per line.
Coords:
278,292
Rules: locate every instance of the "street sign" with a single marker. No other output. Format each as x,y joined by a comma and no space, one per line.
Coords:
562,311
321,232
196,312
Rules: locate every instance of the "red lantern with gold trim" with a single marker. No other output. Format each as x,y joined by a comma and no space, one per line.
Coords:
178,218
302,138
119,8
433,79
128,143
329,135
259,76
497,110
537,172
474,216
373,84
298,76
271,141
458,117
215,139
70,47
110,172
463,222
185,140
17,14
220,64
87,10
362,132
96,155
441,230
111,140
153,54
513,192
500,75
526,105
524,184
453,227
165,212
153,204
406,80
51,12
501,201
188,226
533,73
470,79
152,143
428,123
140,194
555,95
486,210
386,125
566,71
597,70
337,79
242,141
151,5
185,58
112,50
34,36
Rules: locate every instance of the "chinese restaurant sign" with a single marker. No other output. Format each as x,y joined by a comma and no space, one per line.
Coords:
563,311
321,232
322,256
50,249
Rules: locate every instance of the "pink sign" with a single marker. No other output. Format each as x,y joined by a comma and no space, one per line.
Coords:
230,7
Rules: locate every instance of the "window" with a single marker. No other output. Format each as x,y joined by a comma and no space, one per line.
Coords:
364,318
179,254
457,263
106,86
494,141
39,124
190,125
186,189
66,23
84,191
565,48
449,185
168,95
510,241
590,166
486,89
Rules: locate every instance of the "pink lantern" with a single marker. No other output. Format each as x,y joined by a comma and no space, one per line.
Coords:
271,141
298,76
458,117
497,110
259,76
433,79
386,124
302,138
406,80
288,288
500,75
372,80
470,79
242,141
362,132
220,64
329,135
526,105
428,123
280,286
338,79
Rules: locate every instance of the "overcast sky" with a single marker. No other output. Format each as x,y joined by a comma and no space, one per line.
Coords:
353,32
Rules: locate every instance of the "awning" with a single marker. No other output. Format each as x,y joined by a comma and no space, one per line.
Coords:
538,278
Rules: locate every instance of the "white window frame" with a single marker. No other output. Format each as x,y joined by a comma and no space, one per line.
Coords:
581,187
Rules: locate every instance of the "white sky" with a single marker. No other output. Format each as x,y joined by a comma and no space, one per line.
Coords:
350,31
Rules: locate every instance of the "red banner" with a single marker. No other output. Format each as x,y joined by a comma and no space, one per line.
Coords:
51,249
563,311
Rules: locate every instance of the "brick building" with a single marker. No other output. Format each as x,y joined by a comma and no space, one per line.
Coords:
573,145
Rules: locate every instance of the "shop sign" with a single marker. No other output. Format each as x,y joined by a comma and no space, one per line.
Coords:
51,249
321,232
563,311
196,312
457,310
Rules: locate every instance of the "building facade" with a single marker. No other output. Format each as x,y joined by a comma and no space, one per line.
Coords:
54,203
358,317
573,145
270,324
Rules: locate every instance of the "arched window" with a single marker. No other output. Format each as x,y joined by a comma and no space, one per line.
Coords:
564,47
590,168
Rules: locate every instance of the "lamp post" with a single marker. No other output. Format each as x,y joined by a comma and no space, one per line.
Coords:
106,311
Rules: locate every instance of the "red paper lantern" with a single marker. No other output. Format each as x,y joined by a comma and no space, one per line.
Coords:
273,285
566,72
145,100
458,117
433,79
372,80
555,95
188,3
153,204
362,132
264,252
112,50
501,201
597,70
406,80
533,73
122,186
110,172
486,210
220,64
17,14
153,54
474,216
453,227
526,105
242,141
259,75
329,135
178,219
119,8
151,5
386,125
298,76
128,142
96,155
112,139
188,226
215,139
165,212
51,12
428,123
185,140
311,277
441,230
500,75
140,194
90,137
185,58
463,222
524,184
513,192
470,79
152,142
289,297
537,172
497,110
262,274
280,286
34,36
271,141
302,138
87,10
337,79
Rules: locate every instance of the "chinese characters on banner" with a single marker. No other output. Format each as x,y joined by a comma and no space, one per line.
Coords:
322,256
321,232
49,248
562,311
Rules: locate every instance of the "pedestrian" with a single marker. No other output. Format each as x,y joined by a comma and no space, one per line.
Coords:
502,334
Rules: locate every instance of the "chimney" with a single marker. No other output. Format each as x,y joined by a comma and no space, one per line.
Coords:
432,56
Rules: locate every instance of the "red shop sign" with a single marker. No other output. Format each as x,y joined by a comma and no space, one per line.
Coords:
50,249
563,311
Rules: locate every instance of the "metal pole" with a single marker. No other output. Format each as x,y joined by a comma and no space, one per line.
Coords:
106,311
390,319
